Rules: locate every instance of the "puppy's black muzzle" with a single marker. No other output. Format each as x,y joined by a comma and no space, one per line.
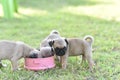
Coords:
34,55
60,51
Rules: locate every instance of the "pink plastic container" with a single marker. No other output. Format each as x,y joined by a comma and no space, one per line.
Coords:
39,63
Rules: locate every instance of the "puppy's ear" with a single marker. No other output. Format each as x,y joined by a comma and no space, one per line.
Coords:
51,43
66,41
52,49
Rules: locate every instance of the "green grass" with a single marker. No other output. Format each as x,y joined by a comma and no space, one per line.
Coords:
72,18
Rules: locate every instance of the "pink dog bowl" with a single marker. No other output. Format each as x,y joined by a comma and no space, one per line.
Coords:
39,63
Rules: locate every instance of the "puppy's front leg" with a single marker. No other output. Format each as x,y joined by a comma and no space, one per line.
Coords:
14,64
57,58
63,60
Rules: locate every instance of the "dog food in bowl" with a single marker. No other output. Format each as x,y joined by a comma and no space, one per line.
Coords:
39,63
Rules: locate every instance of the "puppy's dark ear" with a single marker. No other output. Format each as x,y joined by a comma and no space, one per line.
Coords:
52,49
66,41
51,43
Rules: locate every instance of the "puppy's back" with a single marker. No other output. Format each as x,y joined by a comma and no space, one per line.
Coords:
5,44
6,48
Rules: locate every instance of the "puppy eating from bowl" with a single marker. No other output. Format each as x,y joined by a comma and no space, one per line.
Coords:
14,51
74,47
44,52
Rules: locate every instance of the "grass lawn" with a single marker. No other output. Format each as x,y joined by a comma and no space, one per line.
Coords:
72,18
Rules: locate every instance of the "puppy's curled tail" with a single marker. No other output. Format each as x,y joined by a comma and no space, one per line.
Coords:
89,39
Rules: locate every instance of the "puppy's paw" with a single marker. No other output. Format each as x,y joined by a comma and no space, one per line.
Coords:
14,69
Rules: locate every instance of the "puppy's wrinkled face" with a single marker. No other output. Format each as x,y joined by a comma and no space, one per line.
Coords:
60,51
60,46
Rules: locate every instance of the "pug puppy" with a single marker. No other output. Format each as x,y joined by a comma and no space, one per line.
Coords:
45,52
14,51
74,47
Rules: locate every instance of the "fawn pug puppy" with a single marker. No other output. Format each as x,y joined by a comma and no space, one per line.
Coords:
13,51
74,47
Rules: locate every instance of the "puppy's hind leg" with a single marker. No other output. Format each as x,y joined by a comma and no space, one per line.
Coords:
88,56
